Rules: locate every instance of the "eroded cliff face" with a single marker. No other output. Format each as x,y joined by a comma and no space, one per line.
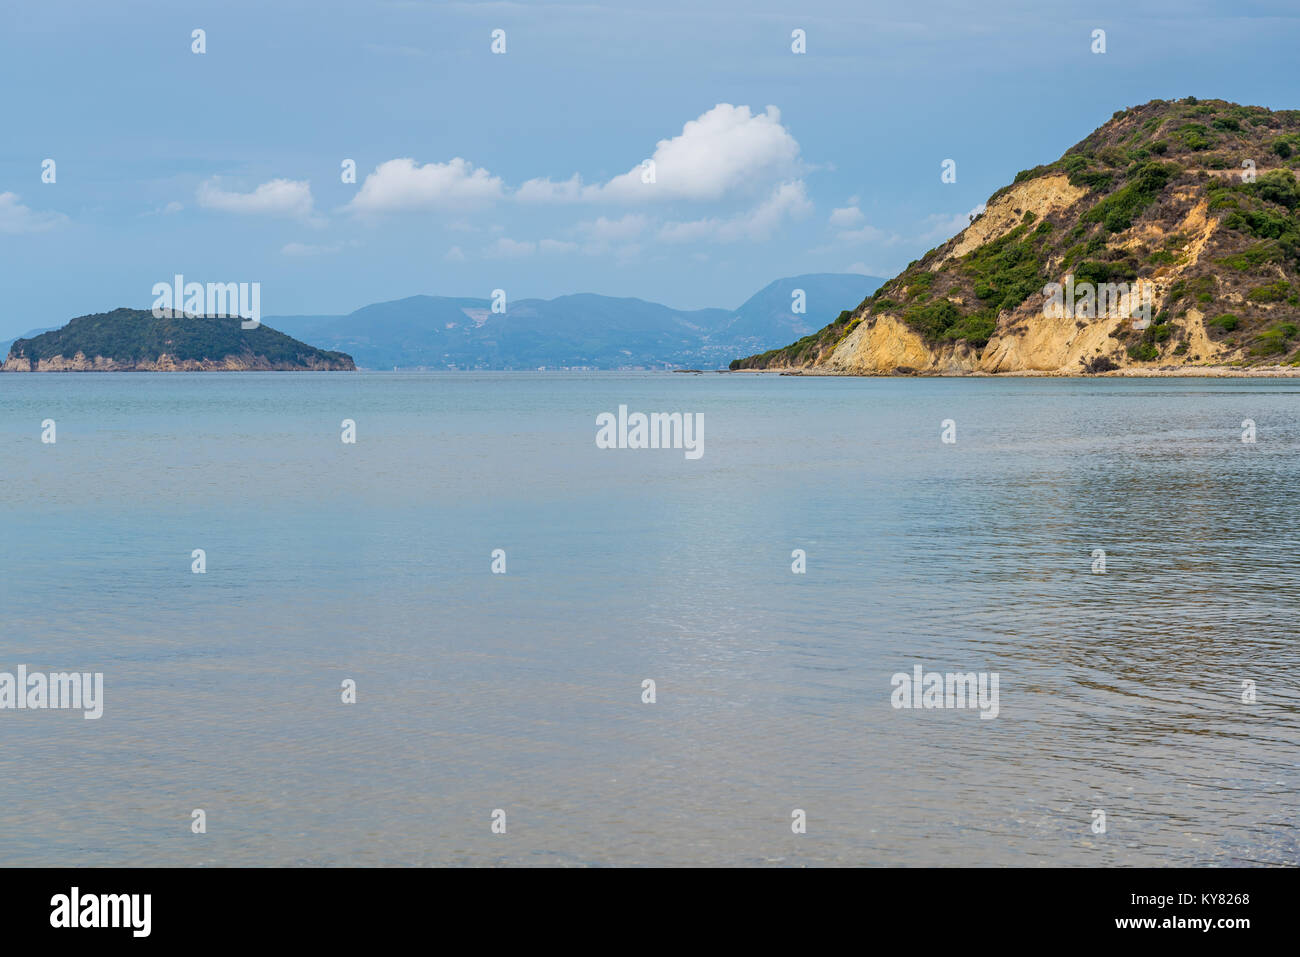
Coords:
886,346
1042,196
1167,240
1032,340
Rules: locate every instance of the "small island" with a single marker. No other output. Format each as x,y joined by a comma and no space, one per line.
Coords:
135,340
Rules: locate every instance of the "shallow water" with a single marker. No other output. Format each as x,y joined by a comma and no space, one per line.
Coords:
1120,692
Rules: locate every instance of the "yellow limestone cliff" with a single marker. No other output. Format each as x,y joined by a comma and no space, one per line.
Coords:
1166,241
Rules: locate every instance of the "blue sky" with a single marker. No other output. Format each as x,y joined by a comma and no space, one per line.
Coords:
521,170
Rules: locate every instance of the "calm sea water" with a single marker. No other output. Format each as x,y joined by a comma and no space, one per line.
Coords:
1120,692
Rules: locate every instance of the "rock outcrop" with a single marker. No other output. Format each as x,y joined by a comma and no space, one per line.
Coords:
1167,240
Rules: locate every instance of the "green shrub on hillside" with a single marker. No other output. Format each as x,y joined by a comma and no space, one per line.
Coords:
1118,210
1278,186
1105,272
1255,256
977,329
918,285
1006,271
1194,136
933,319
1286,144
1273,292
1275,341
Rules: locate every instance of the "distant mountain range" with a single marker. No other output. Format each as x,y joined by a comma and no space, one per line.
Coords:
582,331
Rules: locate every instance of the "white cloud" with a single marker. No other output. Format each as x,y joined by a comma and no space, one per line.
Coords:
454,255
506,248
939,228
727,150
170,209
788,201
853,228
400,184
605,230
556,246
846,217
549,191
279,197
867,234
17,218
932,230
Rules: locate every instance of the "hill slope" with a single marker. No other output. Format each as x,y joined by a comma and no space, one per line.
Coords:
134,340
1158,206
578,331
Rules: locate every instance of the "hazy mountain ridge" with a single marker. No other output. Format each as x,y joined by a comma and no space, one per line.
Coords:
1189,207
583,330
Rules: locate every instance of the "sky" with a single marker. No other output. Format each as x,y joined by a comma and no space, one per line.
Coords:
526,170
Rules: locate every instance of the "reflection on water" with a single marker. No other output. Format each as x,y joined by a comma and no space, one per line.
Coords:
522,691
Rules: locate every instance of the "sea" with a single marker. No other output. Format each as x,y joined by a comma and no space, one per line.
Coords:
474,637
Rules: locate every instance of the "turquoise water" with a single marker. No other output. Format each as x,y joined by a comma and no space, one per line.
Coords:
476,691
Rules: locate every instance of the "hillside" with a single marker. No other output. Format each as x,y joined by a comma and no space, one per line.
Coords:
577,331
134,340
1157,206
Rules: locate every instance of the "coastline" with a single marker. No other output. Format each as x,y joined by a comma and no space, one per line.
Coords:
1178,372
168,364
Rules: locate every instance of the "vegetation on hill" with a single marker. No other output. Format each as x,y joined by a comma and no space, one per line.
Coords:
1139,178
135,337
